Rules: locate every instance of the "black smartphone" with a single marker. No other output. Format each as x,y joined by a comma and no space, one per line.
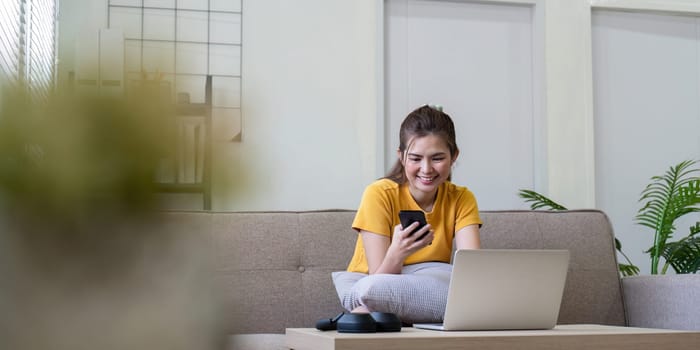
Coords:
407,217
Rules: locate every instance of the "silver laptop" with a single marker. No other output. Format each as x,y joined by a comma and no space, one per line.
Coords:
499,289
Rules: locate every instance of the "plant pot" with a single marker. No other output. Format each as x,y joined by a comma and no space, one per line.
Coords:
662,301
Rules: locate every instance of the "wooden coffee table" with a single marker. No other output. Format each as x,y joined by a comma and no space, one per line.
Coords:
569,337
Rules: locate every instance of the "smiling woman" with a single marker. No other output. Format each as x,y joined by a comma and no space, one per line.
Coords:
405,269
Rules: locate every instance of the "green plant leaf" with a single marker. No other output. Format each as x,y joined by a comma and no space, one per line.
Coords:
683,256
538,201
669,197
694,230
628,269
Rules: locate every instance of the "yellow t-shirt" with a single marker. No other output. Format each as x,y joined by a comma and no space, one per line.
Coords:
454,208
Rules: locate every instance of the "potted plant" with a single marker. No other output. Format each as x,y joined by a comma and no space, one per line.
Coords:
662,300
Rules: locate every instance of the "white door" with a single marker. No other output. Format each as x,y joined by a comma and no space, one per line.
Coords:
479,62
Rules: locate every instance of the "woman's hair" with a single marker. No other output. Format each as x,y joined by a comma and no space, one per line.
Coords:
425,120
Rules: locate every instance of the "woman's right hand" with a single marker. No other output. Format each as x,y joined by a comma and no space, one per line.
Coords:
387,256
406,241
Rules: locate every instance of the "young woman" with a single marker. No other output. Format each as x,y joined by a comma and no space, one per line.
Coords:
396,269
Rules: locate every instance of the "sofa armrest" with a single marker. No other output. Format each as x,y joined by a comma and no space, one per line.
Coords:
662,301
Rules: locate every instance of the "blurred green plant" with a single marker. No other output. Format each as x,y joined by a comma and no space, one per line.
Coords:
539,201
70,156
81,240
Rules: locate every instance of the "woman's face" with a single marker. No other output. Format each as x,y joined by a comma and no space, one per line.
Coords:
427,164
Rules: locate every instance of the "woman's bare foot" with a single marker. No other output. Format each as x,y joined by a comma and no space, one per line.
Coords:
360,310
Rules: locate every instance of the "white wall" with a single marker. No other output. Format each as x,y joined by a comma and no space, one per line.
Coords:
312,91
569,106
309,106
77,18
309,103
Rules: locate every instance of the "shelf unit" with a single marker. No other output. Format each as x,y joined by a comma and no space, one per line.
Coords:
200,183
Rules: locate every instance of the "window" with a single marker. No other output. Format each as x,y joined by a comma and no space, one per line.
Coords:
27,43
183,42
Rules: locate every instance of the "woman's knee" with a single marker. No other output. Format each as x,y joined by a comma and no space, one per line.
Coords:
372,290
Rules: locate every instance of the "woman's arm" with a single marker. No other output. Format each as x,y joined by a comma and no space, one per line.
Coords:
468,237
387,256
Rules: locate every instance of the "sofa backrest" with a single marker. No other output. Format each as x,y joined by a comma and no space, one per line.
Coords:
593,292
274,268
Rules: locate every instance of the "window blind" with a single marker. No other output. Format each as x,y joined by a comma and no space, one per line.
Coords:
10,23
40,45
28,43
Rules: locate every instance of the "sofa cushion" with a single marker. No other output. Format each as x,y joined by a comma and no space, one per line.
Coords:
663,301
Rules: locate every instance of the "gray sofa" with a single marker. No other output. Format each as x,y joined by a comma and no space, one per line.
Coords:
274,268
